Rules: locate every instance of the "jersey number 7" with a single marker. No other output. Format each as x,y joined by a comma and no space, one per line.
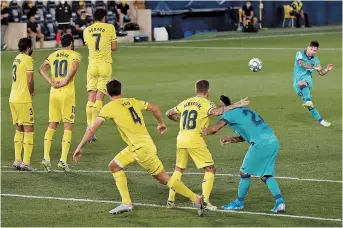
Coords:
97,41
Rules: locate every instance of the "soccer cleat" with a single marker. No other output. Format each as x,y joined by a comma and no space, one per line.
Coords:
325,123
24,167
208,206
170,204
121,209
94,138
199,204
16,165
233,206
279,207
308,104
46,164
63,165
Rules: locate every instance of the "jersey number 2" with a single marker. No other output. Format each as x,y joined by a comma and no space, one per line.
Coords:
256,120
97,41
135,116
60,68
189,119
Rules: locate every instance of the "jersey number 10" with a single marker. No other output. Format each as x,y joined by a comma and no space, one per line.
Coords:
60,68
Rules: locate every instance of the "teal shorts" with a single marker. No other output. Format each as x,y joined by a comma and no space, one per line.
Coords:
260,160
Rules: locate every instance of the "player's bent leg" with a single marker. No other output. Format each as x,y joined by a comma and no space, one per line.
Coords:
18,146
28,147
171,198
47,144
275,190
89,106
121,183
303,85
66,141
207,186
97,105
243,188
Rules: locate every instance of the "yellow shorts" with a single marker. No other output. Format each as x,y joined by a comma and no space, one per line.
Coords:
61,106
145,156
201,157
98,74
22,114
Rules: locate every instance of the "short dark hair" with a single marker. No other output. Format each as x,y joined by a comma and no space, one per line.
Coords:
24,44
314,44
225,100
114,88
202,86
99,14
66,40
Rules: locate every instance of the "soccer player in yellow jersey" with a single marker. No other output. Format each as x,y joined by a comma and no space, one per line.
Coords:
100,39
64,64
21,104
193,115
127,115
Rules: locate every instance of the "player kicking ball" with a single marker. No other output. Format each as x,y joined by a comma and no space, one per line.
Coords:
261,156
64,64
305,63
126,113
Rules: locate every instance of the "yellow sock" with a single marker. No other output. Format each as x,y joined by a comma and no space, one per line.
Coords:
181,189
96,109
207,185
28,146
18,145
177,175
65,145
121,183
89,110
47,142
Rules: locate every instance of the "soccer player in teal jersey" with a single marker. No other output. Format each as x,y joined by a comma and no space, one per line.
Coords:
261,156
305,63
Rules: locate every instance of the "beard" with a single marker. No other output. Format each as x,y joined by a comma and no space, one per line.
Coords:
30,52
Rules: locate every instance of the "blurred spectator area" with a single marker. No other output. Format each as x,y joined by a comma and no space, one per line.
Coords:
45,13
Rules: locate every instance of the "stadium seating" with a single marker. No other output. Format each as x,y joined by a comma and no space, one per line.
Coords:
51,27
15,11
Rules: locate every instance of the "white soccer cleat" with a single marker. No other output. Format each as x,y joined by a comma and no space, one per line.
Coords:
199,204
24,167
325,123
46,164
16,165
279,207
308,104
170,204
209,207
122,208
63,165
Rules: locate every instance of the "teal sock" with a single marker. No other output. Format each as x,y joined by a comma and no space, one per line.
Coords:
306,93
314,112
243,188
274,188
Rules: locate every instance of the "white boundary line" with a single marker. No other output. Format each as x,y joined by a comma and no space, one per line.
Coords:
205,40
160,206
187,173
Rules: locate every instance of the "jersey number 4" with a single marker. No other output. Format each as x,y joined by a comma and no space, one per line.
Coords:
97,41
189,119
135,116
60,68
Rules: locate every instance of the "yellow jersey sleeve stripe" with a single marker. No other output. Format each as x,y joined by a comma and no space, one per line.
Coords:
29,70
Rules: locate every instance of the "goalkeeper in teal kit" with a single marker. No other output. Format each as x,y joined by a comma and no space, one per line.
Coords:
261,156
305,63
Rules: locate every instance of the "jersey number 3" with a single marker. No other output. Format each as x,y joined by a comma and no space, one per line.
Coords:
135,116
189,119
97,41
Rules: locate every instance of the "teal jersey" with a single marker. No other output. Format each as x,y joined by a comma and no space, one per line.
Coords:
301,73
249,125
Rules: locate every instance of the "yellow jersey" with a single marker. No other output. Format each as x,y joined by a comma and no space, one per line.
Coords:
60,63
126,113
194,116
98,38
20,91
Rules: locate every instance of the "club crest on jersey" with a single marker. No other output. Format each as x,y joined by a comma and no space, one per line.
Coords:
312,63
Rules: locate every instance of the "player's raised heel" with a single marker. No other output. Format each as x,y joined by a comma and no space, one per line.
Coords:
16,165
121,209
63,165
308,104
46,164
325,123
209,207
200,205
233,206
170,204
279,207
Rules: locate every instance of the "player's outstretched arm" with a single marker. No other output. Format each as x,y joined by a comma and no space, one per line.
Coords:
213,129
306,66
89,133
161,127
172,114
323,72
227,140
220,111
30,82
43,70
70,75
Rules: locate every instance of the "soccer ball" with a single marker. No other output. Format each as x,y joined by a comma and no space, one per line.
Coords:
255,64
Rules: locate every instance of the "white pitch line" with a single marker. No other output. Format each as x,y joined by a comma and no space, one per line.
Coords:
187,173
230,48
161,206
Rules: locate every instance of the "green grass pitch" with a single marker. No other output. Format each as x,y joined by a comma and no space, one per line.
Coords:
164,74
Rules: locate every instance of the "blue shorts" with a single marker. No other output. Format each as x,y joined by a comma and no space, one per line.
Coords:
299,92
260,160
